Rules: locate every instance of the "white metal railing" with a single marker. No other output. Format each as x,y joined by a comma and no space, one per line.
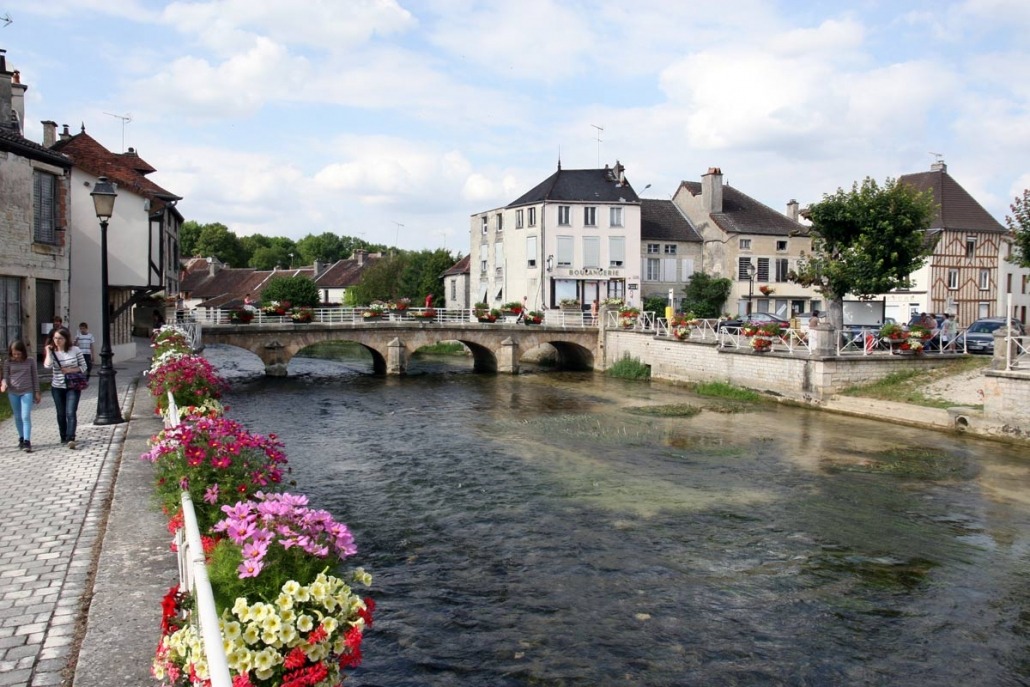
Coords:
193,577
216,317
643,322
703,331
792,341
192,330
1017,351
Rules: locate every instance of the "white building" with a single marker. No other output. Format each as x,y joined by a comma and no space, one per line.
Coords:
574,236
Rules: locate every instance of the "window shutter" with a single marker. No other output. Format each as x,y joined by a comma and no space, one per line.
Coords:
668,269
686,269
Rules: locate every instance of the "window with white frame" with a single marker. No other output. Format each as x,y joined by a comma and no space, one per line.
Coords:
500,222
654,248
615,217
781,246
531,216
952,279
454,290
744,244
590,216
482,266
670,249
983,310
531,251
566,250
616,251
653,269
782,269
985,280
564,215
763,270
485,223
518,219
44,207
970,246
591,251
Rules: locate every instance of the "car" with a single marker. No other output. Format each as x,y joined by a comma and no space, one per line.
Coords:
916,320
758,318
979,337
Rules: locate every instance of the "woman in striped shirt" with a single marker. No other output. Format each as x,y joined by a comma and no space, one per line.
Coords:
62,357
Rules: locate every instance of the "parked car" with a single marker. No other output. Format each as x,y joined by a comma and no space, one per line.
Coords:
758,318
979,337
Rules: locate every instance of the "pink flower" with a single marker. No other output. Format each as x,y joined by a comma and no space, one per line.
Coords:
211,495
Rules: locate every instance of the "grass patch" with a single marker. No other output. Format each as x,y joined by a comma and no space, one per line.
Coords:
444,348
629,368
675,410
907,386
726,391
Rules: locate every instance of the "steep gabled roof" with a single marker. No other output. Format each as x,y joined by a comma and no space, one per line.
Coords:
580,185
13,142
662,220
126,170
956,209
460,267
345,273
742,214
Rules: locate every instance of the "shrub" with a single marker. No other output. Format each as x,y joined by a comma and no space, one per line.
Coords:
299,291
629,368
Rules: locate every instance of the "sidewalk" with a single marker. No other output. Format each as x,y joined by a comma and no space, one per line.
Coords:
84,558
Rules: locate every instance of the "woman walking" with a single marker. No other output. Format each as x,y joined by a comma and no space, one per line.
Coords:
64,358
20,382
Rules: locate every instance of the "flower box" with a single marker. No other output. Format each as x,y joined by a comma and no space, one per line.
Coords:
241,317
427,314
533,317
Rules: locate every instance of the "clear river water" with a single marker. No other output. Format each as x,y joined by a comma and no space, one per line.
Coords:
544,529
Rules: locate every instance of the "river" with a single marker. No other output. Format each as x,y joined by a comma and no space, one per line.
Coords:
543,529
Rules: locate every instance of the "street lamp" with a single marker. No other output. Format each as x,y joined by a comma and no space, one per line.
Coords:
109,411
751,284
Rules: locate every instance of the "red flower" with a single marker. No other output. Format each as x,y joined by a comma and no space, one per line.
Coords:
317,635
366,612
295,659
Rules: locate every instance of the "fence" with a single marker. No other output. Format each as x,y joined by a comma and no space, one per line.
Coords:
449,316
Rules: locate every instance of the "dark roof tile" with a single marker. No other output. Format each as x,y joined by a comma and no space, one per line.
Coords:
579,185
13,142
662,220
957,210
742,214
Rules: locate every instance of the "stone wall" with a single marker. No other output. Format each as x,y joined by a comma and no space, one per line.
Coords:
1007,402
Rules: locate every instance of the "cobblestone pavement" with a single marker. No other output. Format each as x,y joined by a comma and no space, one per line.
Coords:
53,509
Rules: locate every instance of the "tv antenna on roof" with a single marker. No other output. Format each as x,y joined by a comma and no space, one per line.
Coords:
937,156
6,19
126,118
599,130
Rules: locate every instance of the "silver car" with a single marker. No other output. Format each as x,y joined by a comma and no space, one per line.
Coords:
979,338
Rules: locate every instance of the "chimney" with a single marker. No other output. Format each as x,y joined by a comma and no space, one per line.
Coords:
18,99
65,135
6,89
316,268
792,209
359,255
49,133
213,266
711,190
939,166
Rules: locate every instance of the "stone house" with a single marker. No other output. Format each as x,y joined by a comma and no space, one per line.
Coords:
34,216
671,249
344,274
738,231
575,235
456,284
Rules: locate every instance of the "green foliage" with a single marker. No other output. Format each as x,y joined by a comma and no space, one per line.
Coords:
867,241
299,291
215,240
380,281
656,304
675,410
1019,223
412,275
326,247
268,252
705,295
189,233
629,368
727,391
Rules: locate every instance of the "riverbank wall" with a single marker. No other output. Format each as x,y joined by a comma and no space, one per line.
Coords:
817,380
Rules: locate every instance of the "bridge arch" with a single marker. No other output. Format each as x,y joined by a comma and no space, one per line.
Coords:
494,348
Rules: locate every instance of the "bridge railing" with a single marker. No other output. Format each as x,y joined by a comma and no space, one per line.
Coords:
644,322
216,316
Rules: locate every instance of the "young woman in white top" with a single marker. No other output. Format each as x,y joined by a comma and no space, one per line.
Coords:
63,358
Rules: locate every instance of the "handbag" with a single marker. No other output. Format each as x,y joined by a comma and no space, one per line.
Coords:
76,381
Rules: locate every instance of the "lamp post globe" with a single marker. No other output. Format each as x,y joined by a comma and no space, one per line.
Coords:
109,410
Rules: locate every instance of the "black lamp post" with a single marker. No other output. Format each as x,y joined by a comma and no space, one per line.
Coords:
109,411
751,284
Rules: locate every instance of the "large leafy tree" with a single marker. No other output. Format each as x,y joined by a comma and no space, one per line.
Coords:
215,240
380,281
299,291
189,232
706,295
866,241
1019,223
422,275
326,247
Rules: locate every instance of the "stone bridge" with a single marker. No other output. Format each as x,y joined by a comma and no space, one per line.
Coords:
495,347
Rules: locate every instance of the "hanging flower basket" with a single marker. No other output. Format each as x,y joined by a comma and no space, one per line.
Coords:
241,316
534,317
761,344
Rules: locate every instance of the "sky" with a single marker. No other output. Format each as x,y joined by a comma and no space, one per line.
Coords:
395,121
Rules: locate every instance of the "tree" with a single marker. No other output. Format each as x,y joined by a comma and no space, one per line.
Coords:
866,241
215,240
299,291
379,282
423,275
705,295
326,247
1019,223
189,232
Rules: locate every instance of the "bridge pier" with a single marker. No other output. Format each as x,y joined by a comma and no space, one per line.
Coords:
276,364
396,358
508,357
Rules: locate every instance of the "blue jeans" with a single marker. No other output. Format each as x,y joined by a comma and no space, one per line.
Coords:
67,403
21,406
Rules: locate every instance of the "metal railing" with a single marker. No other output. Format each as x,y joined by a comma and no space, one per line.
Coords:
1017,351
201,317
791,341
643,322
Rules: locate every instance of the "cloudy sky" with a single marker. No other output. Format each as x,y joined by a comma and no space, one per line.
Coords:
395,120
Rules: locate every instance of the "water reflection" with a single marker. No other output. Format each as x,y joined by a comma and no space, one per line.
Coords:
528,531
